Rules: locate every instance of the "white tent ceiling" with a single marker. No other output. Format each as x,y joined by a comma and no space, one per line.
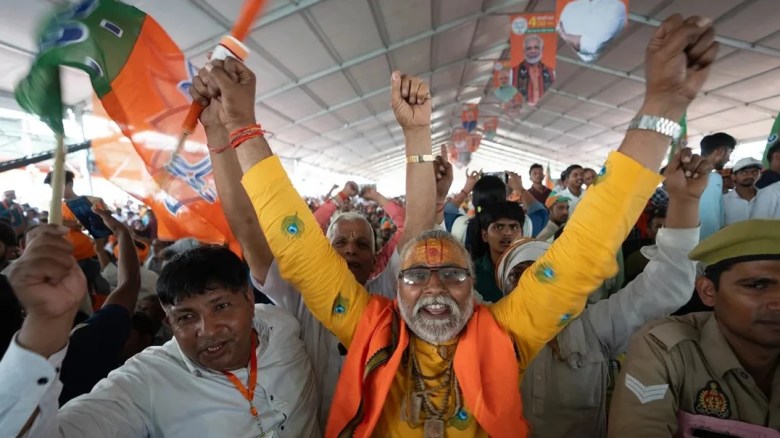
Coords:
323,70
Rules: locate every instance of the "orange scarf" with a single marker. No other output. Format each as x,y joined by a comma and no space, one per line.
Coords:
485,365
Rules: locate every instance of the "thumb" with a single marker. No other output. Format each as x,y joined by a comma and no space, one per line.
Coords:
395,86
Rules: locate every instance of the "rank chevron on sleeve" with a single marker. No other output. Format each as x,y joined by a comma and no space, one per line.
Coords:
645,394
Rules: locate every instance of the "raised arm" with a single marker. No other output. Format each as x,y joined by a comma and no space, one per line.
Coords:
235,203
50,286
398,216
128,266
667,282
325,212
411,102
304,256
555,288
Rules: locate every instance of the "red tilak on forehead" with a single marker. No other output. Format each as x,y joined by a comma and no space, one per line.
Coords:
434,251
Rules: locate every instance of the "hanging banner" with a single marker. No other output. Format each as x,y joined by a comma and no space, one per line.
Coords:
504,81
459,138
533,48
490,127
589,26
469,116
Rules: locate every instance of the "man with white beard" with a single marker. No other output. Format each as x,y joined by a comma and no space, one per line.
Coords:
533,77
433,362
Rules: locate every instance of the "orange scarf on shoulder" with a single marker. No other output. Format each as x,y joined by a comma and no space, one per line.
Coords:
485,365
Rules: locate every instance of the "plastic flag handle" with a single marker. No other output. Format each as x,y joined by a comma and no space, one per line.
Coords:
229,45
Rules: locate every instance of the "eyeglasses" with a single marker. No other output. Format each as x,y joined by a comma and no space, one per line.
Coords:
449,276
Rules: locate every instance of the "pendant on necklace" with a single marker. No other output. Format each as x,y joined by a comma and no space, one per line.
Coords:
433,428
444,351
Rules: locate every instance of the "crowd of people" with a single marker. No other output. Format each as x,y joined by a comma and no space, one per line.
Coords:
629,301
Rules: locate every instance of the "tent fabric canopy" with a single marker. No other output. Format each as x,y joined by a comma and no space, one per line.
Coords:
324,66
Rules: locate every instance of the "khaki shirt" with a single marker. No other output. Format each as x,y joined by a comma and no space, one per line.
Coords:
685,364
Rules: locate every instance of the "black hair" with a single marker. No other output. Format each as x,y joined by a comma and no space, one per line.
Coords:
8,235
713,142
775,149
488,190
492,213
501,210
199,270
144,325
68,177
662,171
535,166
567,173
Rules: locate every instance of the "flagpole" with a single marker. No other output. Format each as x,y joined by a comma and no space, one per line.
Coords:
57,182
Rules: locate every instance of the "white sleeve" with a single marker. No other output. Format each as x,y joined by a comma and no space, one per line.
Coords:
767,203
664,286
29,381
278,290
613,21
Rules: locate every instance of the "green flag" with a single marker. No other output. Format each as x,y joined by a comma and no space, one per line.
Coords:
94,36
683,140
772,140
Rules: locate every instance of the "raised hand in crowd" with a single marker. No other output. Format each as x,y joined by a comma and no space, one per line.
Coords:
443,171
410,99
50,287
238,208
471,180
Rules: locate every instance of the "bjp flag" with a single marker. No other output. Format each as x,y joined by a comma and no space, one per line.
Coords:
490,127
117,162
141,80
532,50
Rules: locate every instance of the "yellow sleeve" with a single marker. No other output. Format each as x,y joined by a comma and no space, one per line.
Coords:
305,258
554,289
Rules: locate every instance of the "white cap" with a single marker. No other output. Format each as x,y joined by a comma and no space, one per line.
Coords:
747,162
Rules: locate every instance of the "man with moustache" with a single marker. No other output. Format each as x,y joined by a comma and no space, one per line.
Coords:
434,362
718,147
533,77
738,202
711,373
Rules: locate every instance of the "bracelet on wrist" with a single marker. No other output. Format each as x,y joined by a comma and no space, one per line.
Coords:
241,135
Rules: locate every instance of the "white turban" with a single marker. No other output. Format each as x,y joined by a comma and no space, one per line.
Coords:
522,250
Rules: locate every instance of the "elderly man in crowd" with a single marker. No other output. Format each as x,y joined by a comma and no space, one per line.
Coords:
412,369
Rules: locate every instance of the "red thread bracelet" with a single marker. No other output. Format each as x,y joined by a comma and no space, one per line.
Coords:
218,150
239,136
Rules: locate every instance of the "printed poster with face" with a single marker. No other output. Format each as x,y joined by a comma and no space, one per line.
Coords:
588,26
469,116
533,49
473,141
490,126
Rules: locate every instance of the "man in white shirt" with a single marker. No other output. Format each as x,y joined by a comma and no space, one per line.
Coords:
767,203
234,369
589,25
573,180
738,202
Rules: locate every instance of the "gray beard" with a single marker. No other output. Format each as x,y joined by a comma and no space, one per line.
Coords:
436,331
534,61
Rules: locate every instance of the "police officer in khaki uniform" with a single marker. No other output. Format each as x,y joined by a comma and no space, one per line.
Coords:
711,373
